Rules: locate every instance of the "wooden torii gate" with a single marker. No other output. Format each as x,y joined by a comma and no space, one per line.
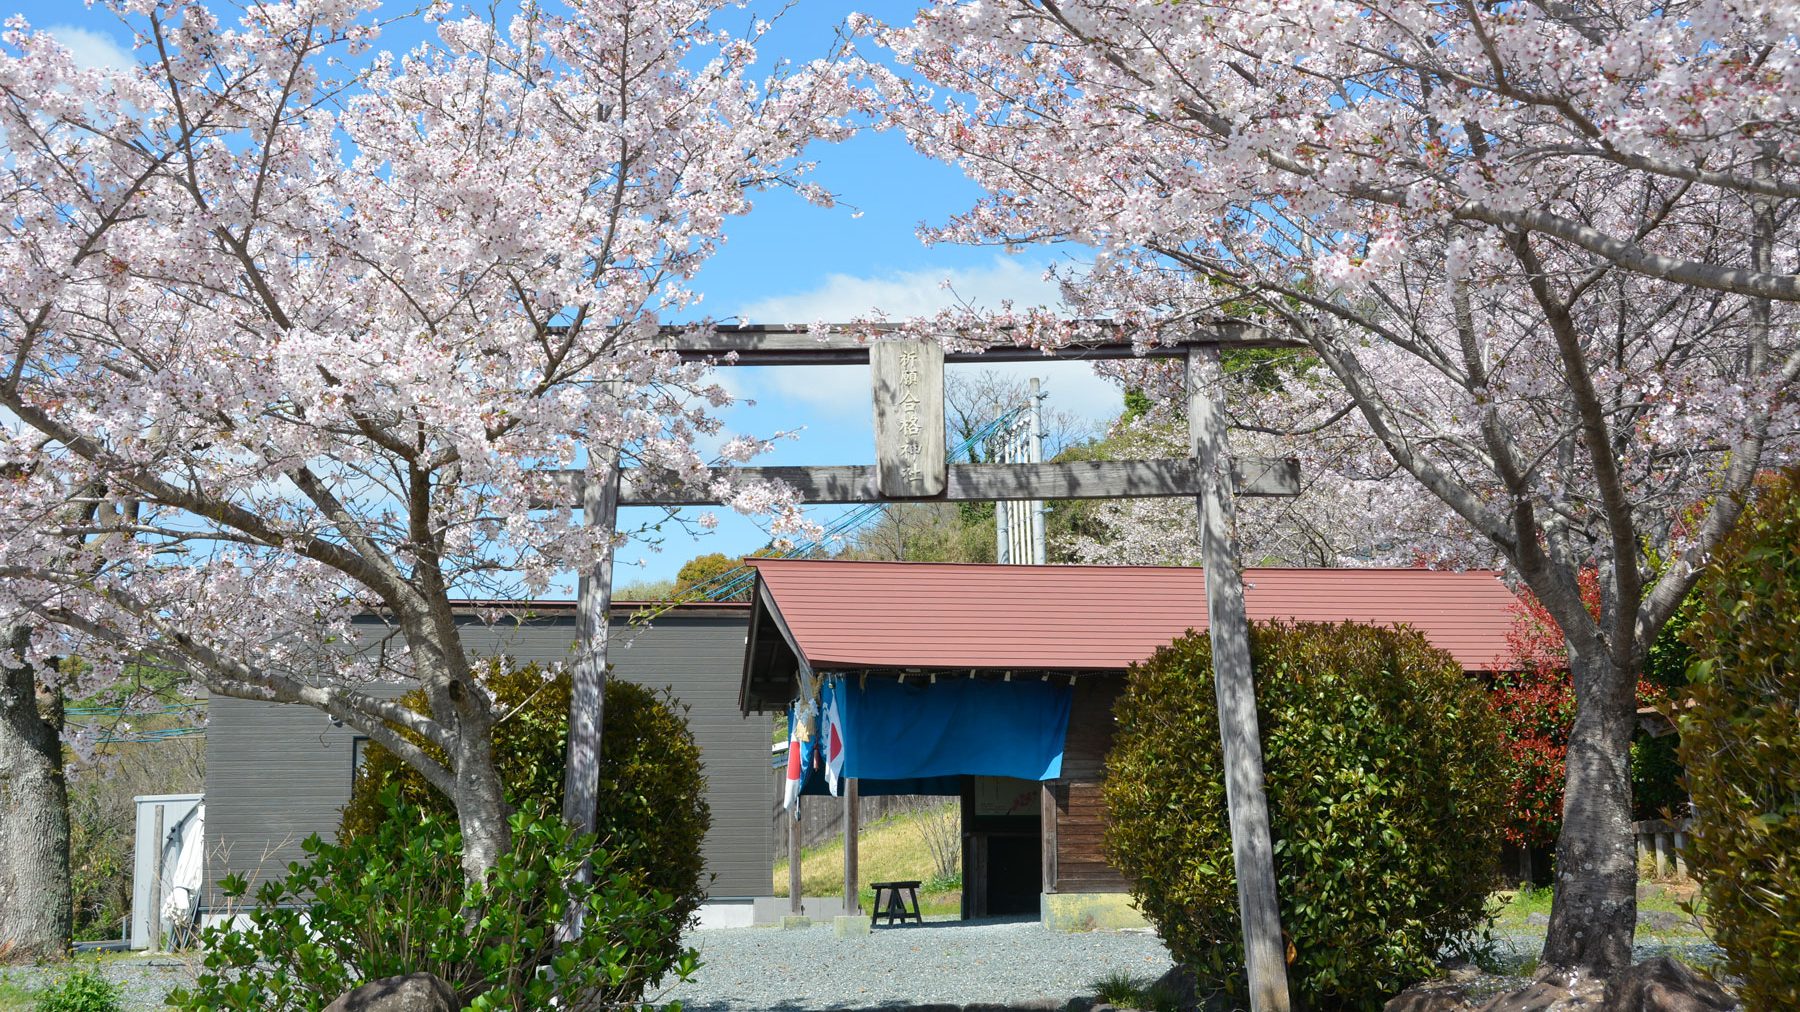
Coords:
907,378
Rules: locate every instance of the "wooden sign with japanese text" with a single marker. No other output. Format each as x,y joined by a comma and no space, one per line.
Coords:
908,378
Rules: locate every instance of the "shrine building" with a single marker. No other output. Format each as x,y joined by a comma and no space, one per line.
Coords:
995,684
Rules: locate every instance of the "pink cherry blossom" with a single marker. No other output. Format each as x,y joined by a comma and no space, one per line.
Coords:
1541,256
292,330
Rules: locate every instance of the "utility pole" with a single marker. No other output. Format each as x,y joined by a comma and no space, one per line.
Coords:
1002,535
1035,448
1019,525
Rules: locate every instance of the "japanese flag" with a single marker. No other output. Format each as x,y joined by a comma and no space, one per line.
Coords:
834,743
796,767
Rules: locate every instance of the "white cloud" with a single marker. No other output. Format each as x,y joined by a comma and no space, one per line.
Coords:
908,293
1070,386
844,392
93,49
841,390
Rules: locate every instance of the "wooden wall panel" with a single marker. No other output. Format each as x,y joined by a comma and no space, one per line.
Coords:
1080,813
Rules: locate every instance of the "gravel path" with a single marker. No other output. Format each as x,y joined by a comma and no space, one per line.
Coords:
960,963
753,969
944,962
147,980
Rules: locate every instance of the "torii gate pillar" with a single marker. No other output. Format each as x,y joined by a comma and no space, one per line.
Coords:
1228,626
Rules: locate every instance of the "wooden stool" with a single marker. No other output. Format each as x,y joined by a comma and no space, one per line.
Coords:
898,893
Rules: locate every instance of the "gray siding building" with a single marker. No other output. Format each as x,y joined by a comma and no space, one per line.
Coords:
277,773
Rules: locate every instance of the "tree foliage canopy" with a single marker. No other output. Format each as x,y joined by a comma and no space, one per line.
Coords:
1740,742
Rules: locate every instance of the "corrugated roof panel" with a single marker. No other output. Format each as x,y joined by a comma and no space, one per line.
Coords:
940,615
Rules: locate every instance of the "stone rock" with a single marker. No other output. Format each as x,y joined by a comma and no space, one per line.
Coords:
1549,994
1459,971
412,992
1664,985
1179,987
1660,920
1437,996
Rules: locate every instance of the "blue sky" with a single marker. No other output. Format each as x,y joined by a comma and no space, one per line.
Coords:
790,262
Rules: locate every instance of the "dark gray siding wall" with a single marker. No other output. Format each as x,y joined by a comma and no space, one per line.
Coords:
277,773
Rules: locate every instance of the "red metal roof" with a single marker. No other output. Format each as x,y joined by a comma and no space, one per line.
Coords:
948,616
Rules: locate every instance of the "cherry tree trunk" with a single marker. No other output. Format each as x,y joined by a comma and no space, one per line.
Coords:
480,799
1594,914
35,906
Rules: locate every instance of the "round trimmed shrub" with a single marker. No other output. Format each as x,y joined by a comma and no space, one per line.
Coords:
1383,767
1740,743
653,814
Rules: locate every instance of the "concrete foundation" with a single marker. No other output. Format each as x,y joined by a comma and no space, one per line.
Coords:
1090,912
731,913
849,925
771,909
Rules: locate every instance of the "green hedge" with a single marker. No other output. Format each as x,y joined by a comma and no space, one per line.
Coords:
382,904
1740,742
1383,765
653,814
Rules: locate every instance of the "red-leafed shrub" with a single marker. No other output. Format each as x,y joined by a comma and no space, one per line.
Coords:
1536,702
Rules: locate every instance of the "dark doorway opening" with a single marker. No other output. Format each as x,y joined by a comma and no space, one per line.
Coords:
1002,847
1014,877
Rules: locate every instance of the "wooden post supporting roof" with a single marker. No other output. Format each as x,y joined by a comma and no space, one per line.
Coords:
852,820
587,680
1253,855
795,901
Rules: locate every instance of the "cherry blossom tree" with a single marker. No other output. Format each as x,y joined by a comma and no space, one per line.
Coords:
1544,249
36,890
35,895
1339,518
315,321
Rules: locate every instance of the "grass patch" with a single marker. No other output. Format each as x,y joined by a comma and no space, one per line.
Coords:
888,849
1128,992
1662,909
1121,989
16,997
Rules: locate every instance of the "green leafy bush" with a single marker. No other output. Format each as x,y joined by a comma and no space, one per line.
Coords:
384,904
81,991
1740,742
1384,776
652,815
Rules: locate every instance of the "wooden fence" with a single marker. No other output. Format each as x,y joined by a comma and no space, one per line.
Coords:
1666,841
